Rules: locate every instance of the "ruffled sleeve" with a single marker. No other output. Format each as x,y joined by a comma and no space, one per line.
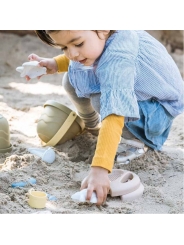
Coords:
116,74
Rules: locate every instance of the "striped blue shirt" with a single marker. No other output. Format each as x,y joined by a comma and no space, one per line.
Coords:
133,67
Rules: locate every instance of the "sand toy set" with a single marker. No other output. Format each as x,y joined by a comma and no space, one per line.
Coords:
58,124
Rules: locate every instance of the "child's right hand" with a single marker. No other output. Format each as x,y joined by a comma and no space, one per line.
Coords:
49,63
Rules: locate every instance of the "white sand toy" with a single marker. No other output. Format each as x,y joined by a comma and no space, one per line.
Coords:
47,154
80,196
123,183
31,69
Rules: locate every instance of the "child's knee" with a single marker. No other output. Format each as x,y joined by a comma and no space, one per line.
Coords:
156,131
159,128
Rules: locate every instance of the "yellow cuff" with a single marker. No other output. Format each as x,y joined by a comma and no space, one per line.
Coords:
62,63
108,140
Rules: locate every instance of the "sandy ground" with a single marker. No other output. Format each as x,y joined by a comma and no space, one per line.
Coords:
22,104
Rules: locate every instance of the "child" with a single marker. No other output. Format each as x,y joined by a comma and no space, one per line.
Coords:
117,80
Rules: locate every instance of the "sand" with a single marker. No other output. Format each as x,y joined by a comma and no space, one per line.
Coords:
21,103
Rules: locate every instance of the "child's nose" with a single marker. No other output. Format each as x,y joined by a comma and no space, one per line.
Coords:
73,54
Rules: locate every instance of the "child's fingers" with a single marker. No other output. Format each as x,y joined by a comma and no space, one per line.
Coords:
100,196
40,76
84,184
33,57
27,78
89,193
105,195
43,63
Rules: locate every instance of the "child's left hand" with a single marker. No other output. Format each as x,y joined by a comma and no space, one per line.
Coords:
97,181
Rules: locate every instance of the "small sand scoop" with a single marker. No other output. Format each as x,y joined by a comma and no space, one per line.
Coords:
46,154
123,183
31,69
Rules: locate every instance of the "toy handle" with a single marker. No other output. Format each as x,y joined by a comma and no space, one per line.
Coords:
126,183
64,128
29,192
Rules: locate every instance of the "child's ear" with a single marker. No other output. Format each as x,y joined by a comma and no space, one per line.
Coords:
103,34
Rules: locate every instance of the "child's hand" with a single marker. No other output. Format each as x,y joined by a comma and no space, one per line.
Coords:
49,63
97,181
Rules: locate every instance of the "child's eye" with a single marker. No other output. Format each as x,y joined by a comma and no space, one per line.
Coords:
79,45
63,48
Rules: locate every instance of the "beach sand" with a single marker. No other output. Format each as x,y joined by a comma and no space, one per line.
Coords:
21,103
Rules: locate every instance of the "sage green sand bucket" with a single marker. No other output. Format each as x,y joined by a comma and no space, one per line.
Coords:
58,124
5,145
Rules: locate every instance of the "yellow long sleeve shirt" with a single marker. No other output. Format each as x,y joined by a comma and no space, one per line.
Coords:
109,134
62,63
108,140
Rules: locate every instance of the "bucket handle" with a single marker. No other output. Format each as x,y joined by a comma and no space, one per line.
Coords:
64,128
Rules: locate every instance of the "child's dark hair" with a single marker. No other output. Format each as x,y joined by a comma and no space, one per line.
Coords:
44,36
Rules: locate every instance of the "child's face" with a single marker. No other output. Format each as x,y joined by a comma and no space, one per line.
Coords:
82,46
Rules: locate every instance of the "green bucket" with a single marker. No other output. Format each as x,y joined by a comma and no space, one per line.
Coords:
58,124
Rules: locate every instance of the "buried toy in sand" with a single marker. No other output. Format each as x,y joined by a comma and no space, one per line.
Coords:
123,183
5,145
47,154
